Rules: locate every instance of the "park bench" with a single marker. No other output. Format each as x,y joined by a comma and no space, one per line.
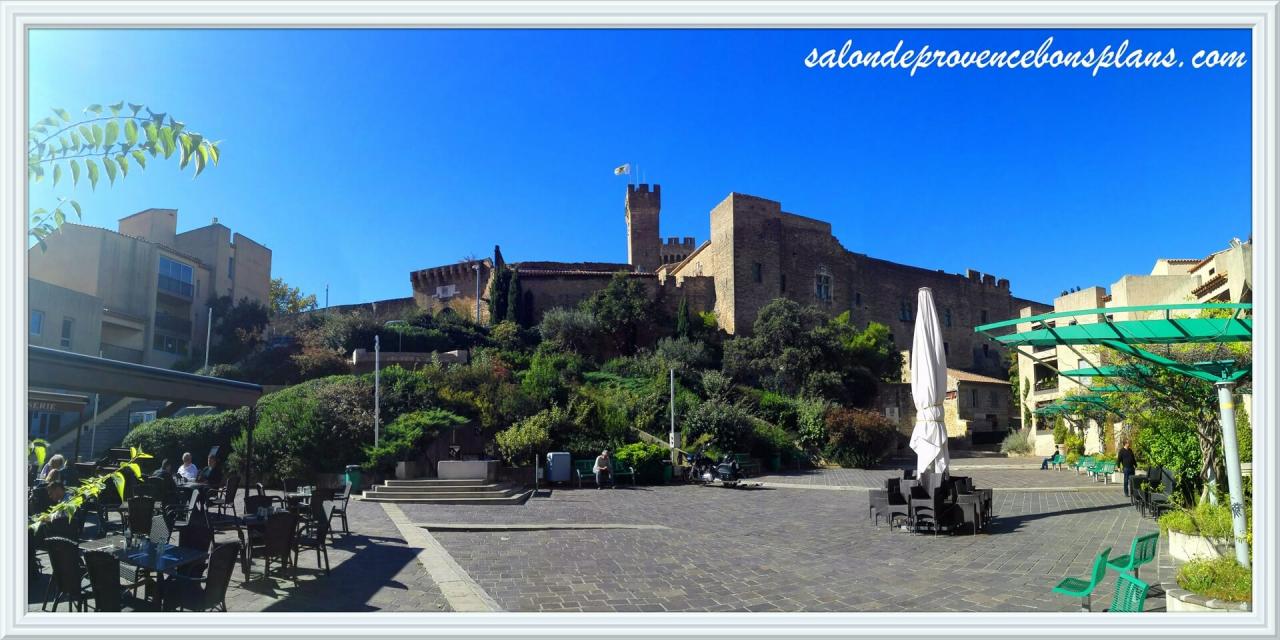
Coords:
1082,463
1141,551
1082,588
621,470
1057,461
747,465
585,470
1103,470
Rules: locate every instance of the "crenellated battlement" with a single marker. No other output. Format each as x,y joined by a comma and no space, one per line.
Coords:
986,279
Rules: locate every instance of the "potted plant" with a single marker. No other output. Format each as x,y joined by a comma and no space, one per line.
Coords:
1202,532
1211,585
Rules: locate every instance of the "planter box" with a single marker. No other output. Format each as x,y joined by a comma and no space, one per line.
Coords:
1176,599
467,470
1187,547
406,470
1117,478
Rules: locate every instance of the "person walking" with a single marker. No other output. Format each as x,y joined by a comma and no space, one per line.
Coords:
1128,462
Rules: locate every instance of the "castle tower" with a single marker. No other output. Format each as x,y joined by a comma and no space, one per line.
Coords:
643,244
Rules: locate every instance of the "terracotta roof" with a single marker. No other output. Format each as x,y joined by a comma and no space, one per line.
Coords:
969,376
1209,285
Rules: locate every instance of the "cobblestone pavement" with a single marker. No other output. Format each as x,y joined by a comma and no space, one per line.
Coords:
1006,475
371,569
782,550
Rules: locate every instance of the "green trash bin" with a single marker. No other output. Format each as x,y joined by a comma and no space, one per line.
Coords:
666,472
352,477
775,462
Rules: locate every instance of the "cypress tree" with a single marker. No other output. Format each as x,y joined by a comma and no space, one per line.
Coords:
498,295
682,318
513,298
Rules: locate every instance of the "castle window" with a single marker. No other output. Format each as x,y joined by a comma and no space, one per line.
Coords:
904,311
946,349
946,317
822,286
782,282
986,350
857,298
757,272
984,316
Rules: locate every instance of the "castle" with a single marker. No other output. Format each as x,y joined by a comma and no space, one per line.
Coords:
757,252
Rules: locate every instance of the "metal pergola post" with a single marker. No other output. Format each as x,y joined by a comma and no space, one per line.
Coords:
1235,482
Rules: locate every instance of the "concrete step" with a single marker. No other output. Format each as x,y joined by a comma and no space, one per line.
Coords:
427,495
437,487
432,482
468,498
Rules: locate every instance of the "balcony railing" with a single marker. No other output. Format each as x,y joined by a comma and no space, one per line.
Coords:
173,324
175,287
123,354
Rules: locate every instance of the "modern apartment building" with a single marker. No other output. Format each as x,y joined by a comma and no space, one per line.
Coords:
1223,276
140,293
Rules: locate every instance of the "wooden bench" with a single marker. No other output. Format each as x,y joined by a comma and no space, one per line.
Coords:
747,464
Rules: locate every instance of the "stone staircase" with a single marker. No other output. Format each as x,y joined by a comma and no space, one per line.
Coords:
447,492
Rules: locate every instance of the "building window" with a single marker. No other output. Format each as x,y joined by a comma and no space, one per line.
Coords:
986,350
176,277
857,298
782,282
904,311
946,317
946,349
37,322
973,398
822,286
67,325
757,272
169,344
991,398
984,316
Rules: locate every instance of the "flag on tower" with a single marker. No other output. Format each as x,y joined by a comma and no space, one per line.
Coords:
624,170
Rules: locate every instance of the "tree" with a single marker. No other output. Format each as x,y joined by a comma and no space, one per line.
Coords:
112,144
621,308
499,287
514,298
237,328
683,321
287,300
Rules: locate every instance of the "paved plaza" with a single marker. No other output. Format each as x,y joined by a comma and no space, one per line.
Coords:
802,542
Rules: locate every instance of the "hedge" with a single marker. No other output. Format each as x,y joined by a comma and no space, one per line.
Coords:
169,438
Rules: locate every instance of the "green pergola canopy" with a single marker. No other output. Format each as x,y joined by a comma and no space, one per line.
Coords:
1123,335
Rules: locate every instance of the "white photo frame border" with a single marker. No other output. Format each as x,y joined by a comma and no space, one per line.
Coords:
17,17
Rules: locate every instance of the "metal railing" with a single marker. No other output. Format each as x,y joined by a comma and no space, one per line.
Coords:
123,354
173,324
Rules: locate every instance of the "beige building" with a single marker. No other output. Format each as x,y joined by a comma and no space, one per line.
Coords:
139,294
975,409
1224,276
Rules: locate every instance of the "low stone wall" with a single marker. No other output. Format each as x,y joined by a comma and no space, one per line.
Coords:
1176,599
1186,547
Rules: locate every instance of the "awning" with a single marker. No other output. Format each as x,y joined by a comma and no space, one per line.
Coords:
52,401
56,369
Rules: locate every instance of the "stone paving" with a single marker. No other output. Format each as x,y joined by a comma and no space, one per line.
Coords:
782,550
774,548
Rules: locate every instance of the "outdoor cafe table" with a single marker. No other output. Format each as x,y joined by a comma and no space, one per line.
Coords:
224,522
162,558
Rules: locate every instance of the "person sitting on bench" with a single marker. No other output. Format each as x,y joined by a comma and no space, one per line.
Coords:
603,469
1045,464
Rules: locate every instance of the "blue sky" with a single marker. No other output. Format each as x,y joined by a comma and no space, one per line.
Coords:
358,156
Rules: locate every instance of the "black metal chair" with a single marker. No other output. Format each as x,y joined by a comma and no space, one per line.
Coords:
198,537
139,513
68,575
276,544
208,593
340,509
104,581
320,515
225,498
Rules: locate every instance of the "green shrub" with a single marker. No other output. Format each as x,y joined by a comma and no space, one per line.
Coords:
529,437
811,423
646,457
169,438
728,425
1221,578
1017,443
1060,430
570,330
551,375
768,439
1205,519
1073,444
858,438
406,436
779,409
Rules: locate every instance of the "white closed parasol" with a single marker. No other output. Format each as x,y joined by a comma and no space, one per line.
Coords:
928,388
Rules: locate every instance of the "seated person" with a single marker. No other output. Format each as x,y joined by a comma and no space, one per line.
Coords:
188,471
603,469
212,474
165,473
1045,464
54,464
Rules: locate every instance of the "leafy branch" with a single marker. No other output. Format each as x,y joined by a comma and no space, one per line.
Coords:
38,448
88,490
106,141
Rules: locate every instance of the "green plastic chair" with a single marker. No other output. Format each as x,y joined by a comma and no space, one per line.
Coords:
1083,589
1130,595
1083,462
1142,551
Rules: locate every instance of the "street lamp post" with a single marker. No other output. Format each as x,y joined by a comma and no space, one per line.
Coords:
1231,451
377,387
476,266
